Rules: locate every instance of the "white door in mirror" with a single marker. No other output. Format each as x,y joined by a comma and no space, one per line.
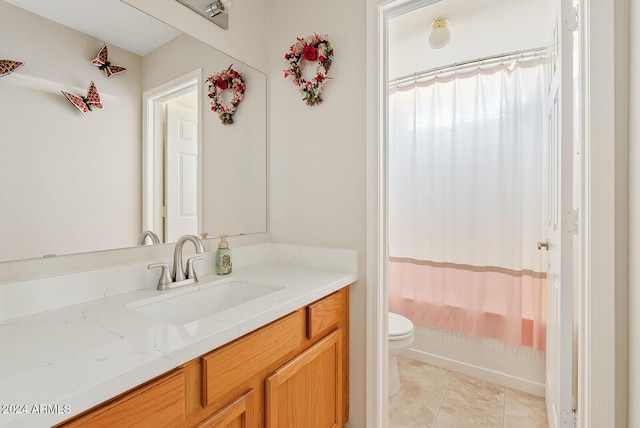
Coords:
181,173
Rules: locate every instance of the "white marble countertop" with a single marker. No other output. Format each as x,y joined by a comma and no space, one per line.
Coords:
61,362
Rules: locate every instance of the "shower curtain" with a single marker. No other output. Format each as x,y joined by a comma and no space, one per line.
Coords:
468,202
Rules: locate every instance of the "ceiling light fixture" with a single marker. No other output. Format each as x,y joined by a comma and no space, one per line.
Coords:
217,7
216,11
440,35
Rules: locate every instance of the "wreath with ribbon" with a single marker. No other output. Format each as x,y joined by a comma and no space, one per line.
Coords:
224,81
312,48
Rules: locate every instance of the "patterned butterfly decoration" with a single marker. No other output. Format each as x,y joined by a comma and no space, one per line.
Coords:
8,66
102,61
84,104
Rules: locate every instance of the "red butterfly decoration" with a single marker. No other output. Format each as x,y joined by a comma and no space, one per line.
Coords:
8,66
84,103
102,61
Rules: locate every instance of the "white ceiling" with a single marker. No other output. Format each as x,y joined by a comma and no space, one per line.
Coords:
478,28
111,21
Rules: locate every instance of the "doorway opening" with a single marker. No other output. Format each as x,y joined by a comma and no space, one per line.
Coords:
171,173
402,7
466,159
601,373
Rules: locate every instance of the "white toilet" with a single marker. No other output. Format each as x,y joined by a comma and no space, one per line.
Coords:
400,338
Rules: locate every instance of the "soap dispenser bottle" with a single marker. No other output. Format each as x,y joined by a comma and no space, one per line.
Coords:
223,257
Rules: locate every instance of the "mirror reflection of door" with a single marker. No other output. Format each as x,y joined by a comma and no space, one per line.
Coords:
181,168
171,178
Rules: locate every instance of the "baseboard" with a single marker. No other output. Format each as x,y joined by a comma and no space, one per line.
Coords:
493,376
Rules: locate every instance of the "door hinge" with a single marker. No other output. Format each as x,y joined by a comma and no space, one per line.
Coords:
571,19
570,222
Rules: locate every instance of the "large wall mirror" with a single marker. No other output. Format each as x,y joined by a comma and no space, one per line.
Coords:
74,184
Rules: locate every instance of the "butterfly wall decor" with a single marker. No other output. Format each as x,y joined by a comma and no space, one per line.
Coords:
8,66
84,104
102,61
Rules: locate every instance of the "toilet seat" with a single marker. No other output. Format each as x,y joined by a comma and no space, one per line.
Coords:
400,327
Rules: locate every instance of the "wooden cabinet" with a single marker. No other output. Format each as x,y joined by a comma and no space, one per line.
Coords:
297,367
307,391
292,372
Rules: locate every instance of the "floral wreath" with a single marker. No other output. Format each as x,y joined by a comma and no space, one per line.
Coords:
312,48
228,79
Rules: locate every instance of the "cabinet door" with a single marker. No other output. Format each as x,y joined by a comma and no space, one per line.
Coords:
307,391
235,415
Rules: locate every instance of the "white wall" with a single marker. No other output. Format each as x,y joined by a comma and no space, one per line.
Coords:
634,217
318,153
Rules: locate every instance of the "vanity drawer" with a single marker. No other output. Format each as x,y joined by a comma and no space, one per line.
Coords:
324,314
229,367
159,403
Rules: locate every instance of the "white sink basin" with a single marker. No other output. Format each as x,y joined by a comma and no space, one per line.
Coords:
199,301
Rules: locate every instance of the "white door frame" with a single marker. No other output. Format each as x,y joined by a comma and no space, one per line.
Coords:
602,349
598,355
378,14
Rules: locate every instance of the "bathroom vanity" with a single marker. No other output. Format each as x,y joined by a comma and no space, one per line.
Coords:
274,360
292,372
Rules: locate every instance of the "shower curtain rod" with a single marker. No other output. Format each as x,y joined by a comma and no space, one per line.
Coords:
516,56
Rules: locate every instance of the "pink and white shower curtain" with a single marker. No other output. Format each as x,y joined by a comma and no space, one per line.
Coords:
467,203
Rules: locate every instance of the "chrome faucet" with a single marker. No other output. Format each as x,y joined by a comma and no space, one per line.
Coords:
178,273
148,234
180,276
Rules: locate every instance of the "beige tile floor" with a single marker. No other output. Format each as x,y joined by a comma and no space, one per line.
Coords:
434,397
